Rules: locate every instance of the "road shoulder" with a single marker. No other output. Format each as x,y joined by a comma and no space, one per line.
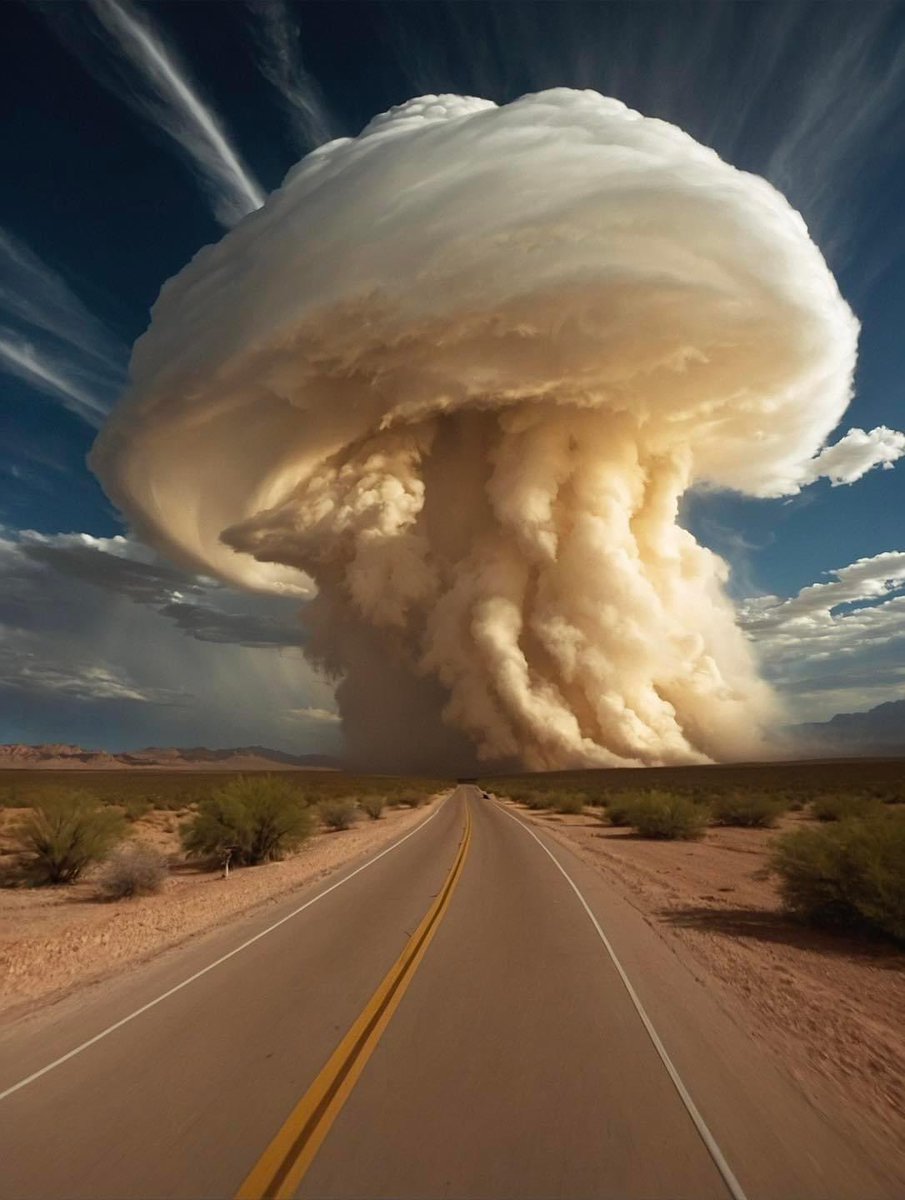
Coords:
824,1014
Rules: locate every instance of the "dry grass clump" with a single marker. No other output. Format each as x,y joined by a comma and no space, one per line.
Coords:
256,818
849,873
64,835
748,810
132,870
373,805
339,813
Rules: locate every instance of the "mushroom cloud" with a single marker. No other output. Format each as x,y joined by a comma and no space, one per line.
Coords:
459,371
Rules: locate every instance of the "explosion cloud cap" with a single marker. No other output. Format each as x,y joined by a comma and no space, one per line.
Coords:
568,288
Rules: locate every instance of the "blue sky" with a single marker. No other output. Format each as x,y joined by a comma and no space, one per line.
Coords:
113,181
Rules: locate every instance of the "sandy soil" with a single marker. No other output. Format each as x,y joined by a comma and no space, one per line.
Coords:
823,1004
55,939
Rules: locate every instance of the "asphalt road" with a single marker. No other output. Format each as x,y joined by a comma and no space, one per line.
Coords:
449,1021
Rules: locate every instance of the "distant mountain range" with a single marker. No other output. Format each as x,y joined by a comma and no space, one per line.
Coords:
195,758
879,731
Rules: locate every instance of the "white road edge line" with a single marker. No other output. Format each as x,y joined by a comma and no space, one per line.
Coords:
58,1062
735,1188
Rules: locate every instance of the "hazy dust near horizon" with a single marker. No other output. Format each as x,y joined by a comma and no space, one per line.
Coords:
459,371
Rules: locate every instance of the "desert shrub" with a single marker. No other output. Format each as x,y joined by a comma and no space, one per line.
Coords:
64,834
338,813
520,795
569,802
620,810
595,799
259,818
842,807
849,873
373,806
748,810
539,801
665,815
410,798
136,807
132,870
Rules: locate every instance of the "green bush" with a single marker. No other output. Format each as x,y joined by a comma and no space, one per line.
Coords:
373,806
844,806
569,802
664,815
749,810
259,818
132,870
64,834
848,873
339,813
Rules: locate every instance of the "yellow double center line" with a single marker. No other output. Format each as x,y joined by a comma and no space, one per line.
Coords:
283,1164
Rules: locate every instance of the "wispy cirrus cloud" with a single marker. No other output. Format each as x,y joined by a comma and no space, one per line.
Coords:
59,379
145,72
51,340
280,62
34,294
849,101
811,94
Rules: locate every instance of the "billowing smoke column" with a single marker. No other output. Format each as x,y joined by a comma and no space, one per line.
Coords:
460,371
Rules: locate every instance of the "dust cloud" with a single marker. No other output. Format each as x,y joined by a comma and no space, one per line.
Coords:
459,372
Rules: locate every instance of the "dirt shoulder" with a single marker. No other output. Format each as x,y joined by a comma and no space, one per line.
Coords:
828,1007
53,940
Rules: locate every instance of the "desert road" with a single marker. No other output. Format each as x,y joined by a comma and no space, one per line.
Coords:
470,1013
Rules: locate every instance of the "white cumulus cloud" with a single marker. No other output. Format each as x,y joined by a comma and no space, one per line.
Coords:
837,645
858,452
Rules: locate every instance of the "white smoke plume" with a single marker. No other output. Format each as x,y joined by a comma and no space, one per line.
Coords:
460,371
